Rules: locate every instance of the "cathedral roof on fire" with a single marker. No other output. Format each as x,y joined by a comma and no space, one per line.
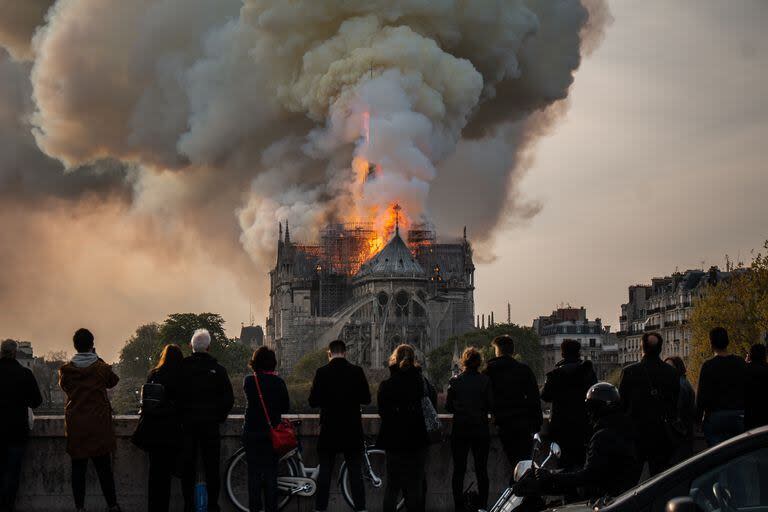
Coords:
394,260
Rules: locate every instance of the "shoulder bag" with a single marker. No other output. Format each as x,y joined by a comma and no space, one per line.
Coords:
674,427
283,436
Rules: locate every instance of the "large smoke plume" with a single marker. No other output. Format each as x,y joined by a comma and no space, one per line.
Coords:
213,120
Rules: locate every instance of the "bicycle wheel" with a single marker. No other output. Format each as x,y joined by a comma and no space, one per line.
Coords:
374,481
237,480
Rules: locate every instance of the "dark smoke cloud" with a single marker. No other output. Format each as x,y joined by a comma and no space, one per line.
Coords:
196,125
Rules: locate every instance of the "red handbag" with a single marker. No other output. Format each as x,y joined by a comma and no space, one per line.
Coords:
283,436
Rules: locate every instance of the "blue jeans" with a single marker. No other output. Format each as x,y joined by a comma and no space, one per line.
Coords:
11,457
722,425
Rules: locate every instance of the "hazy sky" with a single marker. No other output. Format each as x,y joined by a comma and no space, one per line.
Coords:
661,162
658,164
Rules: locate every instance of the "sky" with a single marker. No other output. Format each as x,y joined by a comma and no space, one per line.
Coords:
658,164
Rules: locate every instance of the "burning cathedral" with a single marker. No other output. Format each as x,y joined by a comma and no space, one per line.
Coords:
372,291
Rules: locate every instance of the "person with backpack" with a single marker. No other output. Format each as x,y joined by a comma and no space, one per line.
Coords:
339,389
268,400
469,398
205,401
516,404
88,418
564,388
649,392
159,431
20,392
404,434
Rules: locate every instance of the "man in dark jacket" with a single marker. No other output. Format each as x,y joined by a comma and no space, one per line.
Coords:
611,465
206,398
755,405
649,392
720,398
339,389
516,405
19,392
564,388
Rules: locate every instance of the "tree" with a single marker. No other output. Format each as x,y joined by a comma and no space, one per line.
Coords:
527,346
305,368
141,352
739,304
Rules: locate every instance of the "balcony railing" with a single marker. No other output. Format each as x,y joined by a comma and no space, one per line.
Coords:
651,328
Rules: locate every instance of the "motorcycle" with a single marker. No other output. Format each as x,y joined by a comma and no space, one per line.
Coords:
545,455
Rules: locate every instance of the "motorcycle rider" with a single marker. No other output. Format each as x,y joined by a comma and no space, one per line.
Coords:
611,466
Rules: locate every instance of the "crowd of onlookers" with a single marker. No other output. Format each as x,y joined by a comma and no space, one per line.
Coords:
605,440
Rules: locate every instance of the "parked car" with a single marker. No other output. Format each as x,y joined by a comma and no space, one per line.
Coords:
729,477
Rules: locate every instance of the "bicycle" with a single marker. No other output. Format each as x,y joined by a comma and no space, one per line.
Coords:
296,479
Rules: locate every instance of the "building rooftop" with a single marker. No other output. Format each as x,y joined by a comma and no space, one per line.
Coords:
394,260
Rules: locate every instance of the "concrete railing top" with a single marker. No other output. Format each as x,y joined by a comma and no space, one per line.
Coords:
53,425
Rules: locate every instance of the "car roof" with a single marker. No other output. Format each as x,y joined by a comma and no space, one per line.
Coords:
756,437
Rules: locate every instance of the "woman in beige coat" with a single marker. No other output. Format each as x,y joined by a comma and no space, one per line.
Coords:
88,418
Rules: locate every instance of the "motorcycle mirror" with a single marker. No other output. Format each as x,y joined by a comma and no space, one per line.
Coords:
521,469
555,449
683,504
537,437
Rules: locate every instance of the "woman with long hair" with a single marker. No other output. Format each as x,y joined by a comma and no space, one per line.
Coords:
403,430
263,389
160,431
469,399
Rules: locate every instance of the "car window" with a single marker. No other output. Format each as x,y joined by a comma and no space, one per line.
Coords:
739,485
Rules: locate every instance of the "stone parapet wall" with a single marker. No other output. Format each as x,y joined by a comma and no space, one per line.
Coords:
45,484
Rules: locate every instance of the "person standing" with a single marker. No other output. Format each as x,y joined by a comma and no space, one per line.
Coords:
88,418
755,406
19,393
469,399
206,399
403,433
649,392
339,389
564,388
686,411
516,404
269,392
720,398
160,432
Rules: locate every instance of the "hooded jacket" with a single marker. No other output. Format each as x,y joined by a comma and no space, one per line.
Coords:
402,419
516,402
565,387
88,413
20,391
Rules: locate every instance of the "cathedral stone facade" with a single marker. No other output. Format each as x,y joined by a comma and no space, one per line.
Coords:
419,292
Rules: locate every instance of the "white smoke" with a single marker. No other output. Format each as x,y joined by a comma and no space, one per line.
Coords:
234,115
